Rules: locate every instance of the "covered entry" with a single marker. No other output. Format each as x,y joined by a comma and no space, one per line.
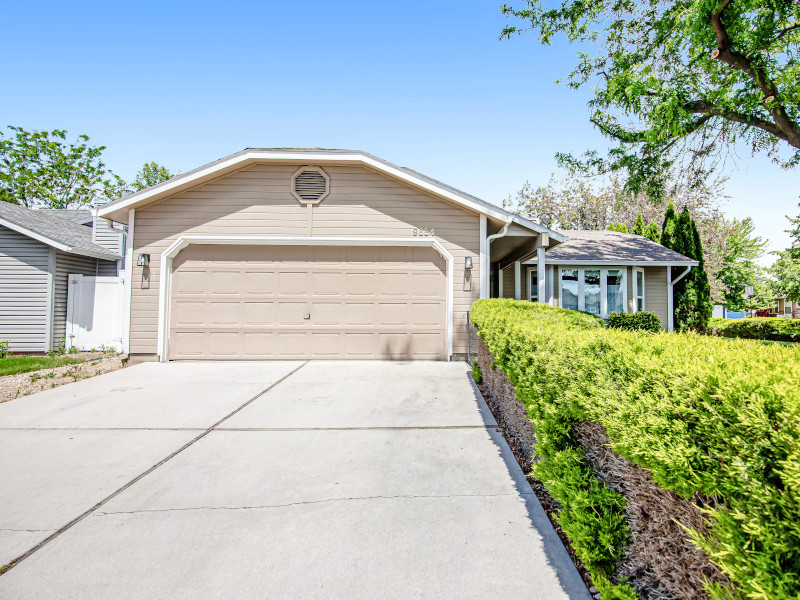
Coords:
307,301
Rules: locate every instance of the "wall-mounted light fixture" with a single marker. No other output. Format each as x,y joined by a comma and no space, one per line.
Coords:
468,263
143,260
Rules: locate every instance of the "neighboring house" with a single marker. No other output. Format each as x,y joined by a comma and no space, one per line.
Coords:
786,308
38,250
311,253
602,272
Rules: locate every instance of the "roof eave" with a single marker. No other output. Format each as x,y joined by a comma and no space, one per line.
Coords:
634,263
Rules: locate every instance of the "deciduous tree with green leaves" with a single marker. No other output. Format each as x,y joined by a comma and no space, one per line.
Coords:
679,83
786,269
743,249
41,169
150,174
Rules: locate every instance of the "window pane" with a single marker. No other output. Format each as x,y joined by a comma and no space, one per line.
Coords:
569,289
639,284
591,291
639,304
616,302
534,286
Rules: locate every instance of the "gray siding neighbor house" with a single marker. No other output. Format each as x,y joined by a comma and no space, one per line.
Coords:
38,250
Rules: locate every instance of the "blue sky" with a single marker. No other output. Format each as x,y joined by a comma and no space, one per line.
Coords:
424,84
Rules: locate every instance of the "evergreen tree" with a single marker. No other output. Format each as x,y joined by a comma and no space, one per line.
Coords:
638,228
652,232
668,238
692,294
620,227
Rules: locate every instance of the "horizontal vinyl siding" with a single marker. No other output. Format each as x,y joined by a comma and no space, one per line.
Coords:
257,201
508,282
656,294
66,265
107,268
23,302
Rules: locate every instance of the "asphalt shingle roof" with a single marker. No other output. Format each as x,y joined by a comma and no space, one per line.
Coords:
59,228
611,246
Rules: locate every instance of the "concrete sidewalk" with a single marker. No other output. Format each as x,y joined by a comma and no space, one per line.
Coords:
343,480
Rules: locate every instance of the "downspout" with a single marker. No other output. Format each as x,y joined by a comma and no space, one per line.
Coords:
489,240
670,301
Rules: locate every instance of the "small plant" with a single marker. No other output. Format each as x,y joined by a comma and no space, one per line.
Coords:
59,350
5,348
73,350
640,321
35,377
476,372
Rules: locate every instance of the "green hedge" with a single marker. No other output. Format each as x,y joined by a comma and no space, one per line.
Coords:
759,328
707,417
640,321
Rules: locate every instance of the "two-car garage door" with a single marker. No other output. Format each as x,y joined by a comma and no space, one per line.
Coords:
261,302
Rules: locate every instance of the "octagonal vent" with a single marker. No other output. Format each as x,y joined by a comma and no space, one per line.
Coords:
310,185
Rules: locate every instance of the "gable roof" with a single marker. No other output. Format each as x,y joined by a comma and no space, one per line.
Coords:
53,229
118,209
599,247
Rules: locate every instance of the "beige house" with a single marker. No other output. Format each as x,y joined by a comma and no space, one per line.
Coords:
310,253
602,272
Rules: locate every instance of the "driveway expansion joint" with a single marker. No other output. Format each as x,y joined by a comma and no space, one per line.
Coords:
308,502
6,568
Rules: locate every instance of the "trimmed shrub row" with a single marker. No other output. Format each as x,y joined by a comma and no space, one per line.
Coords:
640,321
757,328
717,422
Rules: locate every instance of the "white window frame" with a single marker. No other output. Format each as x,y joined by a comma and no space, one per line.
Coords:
603,286
636,290
531,272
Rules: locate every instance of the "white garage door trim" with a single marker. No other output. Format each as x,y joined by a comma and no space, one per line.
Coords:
165,279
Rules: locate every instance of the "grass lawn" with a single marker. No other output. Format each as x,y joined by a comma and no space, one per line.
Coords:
11,365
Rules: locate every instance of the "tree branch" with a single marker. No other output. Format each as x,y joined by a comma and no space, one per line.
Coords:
790,130
706,108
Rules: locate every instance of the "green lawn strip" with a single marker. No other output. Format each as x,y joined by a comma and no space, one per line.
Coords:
12,365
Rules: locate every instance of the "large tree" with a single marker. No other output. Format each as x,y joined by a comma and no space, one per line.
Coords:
576,204
692,295
786,269
743,249
679,83
41,169
150,174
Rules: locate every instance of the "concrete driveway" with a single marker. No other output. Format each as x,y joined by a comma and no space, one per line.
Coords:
270,479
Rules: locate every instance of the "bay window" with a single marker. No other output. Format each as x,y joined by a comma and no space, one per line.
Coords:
594,290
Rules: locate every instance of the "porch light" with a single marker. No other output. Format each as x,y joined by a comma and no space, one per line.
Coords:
143,260
468,263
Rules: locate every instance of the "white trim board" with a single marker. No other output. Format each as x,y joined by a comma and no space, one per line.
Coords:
165,278
117,210
619,263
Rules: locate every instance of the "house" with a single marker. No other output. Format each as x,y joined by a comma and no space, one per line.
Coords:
313,253
38,250
602,272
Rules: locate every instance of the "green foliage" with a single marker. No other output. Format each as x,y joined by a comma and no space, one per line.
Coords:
58,350
786,269
652,232
11,365
640,321
692,293
708,417
476,372
740,268
758,328
620,227
151,174
5,348
638,228
677,84
39,169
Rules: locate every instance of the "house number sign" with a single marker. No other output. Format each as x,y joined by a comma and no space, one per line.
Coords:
423,231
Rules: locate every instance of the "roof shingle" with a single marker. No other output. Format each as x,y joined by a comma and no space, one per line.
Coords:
611,246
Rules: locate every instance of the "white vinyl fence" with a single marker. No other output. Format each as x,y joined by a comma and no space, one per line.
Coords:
94,312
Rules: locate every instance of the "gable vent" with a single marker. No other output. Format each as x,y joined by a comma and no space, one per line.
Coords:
310,185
